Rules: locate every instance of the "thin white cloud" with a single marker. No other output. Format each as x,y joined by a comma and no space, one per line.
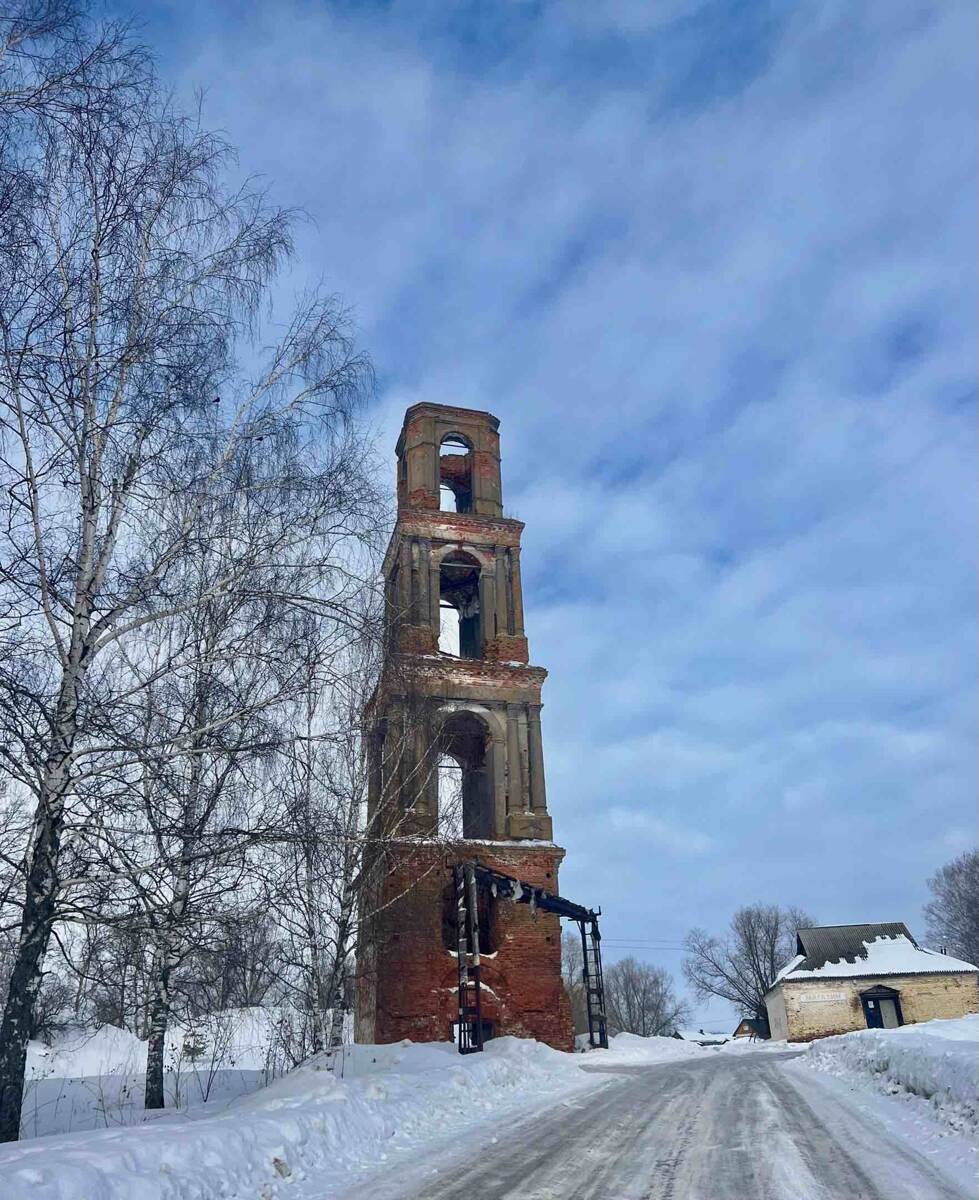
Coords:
647,829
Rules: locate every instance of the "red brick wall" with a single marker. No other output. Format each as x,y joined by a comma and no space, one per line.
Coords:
411,989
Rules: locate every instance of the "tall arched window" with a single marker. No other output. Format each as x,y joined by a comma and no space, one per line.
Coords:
450,798
466,791
448,629
460,623
455,474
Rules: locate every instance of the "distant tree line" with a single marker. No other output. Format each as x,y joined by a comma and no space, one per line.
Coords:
639,998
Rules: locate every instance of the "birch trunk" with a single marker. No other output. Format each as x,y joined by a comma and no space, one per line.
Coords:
40,902
156,1046
169,957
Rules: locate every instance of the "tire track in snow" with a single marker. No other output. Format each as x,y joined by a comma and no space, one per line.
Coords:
719,1128
873,1143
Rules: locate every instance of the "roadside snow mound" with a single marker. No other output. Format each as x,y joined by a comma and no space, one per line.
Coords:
626,1048
761,1046
95,1078
936,1061
391,1100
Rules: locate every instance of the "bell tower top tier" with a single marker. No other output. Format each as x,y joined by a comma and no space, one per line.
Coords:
456,648
453,557
450,454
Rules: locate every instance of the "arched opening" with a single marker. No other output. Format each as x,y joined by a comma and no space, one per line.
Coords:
455,474
448,629
459,592
465,778
450,798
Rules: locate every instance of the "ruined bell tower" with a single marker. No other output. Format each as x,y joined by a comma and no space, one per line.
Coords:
455,753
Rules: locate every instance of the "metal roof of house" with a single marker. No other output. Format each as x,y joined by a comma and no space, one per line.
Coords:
864,951
833,943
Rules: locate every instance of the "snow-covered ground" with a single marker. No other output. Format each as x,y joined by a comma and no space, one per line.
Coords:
312,1124
309,1125
95,1078
932,1066
412,1109
628,1049
747,1046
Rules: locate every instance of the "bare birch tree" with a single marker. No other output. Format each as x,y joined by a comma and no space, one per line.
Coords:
334,839
51,59
324,788
129,276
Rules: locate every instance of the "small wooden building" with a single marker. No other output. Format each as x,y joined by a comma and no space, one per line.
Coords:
753,1028
846,977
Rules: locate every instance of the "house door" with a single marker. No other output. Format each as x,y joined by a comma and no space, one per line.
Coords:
888,1014
873,1015
881,1008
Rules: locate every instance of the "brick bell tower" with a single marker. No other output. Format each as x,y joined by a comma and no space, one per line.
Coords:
455,754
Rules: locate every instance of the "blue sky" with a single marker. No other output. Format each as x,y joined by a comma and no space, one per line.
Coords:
712,265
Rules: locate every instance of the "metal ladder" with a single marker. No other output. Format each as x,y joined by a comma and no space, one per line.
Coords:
467,949
591,950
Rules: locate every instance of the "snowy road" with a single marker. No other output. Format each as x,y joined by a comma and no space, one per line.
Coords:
731,1127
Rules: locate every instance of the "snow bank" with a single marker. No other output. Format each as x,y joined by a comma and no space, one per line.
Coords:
624,1049
761,1046
87,1052
935,1061
390,1099
702,1036
95,1078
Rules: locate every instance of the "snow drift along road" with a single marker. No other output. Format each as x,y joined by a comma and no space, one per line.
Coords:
936,1061
309,1122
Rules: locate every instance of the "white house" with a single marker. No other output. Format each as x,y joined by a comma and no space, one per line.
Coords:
846,977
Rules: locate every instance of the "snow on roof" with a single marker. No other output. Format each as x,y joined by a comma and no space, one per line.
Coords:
881,955
789,967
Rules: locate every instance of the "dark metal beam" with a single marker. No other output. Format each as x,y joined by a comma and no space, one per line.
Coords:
508,887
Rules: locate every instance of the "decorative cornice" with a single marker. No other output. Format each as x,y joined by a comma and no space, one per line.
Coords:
450,527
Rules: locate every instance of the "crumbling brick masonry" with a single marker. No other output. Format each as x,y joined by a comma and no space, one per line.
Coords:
458,707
